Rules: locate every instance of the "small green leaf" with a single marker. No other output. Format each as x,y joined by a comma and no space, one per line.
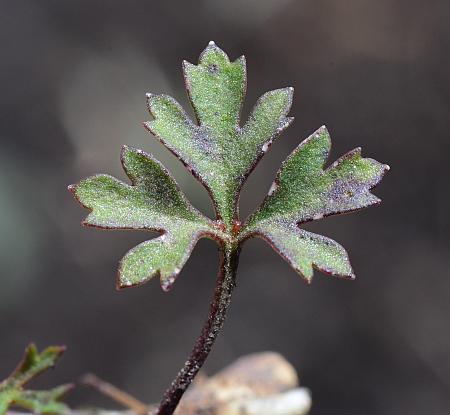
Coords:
304,250
44,402
12,390
216,88
164,256
218,151
153,201
303,191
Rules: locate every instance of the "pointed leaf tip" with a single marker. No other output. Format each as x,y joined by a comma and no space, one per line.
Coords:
216,88
167,283
186,64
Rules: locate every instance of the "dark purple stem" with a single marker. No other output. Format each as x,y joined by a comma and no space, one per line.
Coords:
226,281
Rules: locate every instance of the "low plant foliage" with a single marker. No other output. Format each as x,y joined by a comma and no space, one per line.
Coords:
14,393
221,150
221,153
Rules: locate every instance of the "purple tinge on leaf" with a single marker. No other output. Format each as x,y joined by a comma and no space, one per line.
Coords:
305,190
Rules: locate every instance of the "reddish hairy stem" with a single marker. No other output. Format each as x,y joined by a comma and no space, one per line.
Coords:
226,281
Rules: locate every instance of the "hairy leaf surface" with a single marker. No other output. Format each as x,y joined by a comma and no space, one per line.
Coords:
303,191
217,150
221,151
152,202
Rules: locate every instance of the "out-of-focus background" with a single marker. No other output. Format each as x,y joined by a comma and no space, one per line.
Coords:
73,80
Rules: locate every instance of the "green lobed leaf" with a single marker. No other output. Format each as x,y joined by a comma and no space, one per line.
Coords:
303,191
305,250
12,392
221,153
164,256
44,402
217,150
153,201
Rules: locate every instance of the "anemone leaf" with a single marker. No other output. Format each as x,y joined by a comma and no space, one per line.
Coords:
221,151
153,201
218,151
303,191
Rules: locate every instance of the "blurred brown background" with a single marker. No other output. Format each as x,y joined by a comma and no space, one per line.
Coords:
73,80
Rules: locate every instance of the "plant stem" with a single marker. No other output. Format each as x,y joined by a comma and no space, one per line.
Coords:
226,281
115,394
